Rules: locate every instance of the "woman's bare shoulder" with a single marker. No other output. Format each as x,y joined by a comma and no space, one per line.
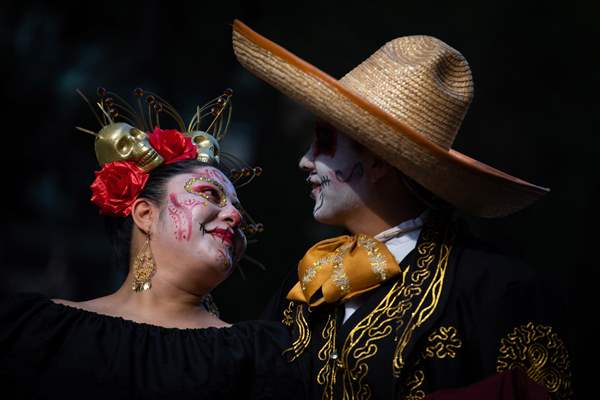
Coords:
89,305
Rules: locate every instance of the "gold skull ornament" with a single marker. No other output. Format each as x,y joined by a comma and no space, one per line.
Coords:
122,142
207,145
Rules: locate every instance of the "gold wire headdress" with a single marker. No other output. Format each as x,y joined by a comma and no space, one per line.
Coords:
128,140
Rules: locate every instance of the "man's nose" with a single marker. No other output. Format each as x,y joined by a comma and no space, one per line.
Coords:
307,161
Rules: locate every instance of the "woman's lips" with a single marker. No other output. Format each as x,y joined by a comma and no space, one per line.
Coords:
225,235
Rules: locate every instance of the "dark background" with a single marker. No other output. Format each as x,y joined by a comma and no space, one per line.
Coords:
531,117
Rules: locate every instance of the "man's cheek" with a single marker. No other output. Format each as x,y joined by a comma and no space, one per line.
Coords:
353,173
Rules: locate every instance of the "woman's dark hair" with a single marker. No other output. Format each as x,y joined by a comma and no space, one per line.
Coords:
120,229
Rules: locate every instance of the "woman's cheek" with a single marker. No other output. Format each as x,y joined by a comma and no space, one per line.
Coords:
223,260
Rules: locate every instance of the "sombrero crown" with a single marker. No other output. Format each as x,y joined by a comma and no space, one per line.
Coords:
413,74
405,103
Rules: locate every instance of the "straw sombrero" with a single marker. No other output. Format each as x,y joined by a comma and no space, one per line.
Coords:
405,103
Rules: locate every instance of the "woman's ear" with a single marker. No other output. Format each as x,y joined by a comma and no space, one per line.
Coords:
143,213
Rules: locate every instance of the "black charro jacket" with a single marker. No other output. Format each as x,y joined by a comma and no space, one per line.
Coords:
459,313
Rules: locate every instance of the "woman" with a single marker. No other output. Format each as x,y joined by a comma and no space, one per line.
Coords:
178,222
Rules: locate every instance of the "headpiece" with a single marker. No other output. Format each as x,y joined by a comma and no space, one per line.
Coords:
405,103
131,143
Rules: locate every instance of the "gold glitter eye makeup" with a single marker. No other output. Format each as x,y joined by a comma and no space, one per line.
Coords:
195,186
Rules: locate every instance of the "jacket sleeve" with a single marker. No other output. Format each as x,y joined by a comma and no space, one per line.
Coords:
514,324
500,317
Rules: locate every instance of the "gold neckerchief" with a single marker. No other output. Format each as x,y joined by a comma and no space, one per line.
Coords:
337,269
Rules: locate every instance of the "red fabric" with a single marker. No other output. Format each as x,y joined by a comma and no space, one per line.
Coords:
172,145
116,187
509,385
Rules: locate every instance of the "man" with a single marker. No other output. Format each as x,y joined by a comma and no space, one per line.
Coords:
409,305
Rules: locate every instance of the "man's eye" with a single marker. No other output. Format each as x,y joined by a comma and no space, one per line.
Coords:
325,140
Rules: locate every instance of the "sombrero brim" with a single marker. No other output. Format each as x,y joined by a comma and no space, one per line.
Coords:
468,184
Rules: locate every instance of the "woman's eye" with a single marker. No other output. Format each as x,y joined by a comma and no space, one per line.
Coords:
211,194
208,189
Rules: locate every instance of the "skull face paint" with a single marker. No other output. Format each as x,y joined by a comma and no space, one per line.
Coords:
202,229
336,174
181,216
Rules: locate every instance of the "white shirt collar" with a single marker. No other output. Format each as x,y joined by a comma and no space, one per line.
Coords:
402,229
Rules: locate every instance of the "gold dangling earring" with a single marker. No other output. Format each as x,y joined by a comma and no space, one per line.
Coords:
143,268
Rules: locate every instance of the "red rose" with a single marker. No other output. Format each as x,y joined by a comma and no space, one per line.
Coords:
172,145
116,187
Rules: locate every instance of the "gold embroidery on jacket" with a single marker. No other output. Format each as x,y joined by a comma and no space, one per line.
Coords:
288,320
361,341
328,354
423,284
541,353
414,385
429,300
303,332
443,342
388,317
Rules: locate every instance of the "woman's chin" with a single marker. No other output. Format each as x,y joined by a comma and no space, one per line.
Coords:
223,261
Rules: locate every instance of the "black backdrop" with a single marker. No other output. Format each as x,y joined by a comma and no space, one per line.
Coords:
531,116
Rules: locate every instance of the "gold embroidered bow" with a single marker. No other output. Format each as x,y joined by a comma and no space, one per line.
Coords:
340,268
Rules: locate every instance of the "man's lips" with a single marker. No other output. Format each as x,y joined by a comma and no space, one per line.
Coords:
315,185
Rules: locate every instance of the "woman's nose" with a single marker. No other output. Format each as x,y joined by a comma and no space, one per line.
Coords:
231,216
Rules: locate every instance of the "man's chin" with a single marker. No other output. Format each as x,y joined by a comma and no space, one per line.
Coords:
323,217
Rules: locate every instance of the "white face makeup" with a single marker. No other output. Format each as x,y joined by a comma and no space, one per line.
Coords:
199,227
336,174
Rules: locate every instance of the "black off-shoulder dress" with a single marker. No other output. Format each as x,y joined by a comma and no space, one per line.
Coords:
53,351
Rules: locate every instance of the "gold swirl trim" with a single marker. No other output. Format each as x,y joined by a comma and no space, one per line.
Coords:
370,329
414,385
541,353
303,339
443,342
288,320
327,353
430,299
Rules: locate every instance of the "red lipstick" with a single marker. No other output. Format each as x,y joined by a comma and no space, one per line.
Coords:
224,234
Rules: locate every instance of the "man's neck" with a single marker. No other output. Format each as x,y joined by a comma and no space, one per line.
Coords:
370,223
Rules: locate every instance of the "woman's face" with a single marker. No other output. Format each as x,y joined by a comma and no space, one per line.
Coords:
198,233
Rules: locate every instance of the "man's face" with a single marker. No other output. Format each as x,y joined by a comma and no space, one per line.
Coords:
335,169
